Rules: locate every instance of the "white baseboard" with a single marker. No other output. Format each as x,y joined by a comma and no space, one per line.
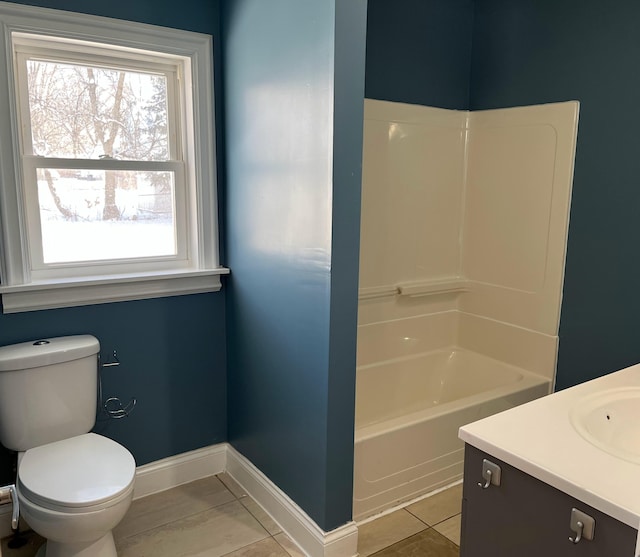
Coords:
315,542
180,469
208,461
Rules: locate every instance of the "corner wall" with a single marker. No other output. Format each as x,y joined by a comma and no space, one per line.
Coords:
419,52
293,93
535,51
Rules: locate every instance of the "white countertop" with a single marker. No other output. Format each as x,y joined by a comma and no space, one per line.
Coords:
538,438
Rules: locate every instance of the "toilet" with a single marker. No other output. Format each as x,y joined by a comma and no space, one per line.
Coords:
73,486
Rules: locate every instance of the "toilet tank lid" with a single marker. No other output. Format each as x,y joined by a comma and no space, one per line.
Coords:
47,351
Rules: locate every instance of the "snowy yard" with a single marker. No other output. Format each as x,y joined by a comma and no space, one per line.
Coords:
141,230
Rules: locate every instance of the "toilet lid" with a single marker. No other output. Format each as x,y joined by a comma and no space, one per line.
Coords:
78,472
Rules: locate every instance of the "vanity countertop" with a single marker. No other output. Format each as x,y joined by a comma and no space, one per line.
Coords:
539,439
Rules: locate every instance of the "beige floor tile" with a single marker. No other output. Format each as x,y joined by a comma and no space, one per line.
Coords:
265,548
287,543
211,533
383,532
173,504
439,507
427,543
232,485
263,518
450,528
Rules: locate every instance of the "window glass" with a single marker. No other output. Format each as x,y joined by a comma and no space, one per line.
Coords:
88,112
92,215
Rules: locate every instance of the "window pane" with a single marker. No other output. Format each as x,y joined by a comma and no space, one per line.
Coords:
90,112
95,215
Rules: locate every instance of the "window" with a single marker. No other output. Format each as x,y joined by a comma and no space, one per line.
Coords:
106,160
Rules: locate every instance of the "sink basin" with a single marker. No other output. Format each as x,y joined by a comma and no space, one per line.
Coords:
610,420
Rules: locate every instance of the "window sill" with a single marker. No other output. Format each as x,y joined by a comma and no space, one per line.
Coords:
103,290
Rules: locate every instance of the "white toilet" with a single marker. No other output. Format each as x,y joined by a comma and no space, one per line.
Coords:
73,487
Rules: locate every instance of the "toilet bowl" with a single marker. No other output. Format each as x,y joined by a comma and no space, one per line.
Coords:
74,492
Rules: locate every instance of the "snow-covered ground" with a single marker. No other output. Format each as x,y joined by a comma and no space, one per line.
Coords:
142,231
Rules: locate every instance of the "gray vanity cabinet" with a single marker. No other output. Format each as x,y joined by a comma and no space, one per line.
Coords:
524,517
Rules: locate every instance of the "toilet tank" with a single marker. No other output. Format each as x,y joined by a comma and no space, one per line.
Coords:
48,390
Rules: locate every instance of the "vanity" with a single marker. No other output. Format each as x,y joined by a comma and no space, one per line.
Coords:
559,476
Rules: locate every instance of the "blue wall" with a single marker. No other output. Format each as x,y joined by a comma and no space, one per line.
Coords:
349,83
419,52
293,199
172,349
202,16
537,51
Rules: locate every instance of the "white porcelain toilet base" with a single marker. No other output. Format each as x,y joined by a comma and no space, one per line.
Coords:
104,547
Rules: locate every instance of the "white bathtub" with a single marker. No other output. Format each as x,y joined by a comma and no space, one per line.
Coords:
408,411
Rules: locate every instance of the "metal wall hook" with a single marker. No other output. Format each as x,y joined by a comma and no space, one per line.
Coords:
487,475
114,361
115,409
583,525
491,473
578,536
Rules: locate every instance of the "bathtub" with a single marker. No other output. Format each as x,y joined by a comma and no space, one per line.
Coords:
408,411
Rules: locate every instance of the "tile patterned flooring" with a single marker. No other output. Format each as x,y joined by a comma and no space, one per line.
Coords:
214,517
428,528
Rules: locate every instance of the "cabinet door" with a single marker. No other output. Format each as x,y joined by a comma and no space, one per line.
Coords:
524,517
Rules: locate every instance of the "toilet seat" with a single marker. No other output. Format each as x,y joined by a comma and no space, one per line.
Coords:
80,474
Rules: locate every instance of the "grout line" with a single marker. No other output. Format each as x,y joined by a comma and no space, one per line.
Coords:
232,484
448,518
457,544
402,540
422,530
165,524
284,534
405,504
244,496
281,546
258,519
435,523
415,516
182,517
245,546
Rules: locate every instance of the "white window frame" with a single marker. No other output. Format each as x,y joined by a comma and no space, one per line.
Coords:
24,288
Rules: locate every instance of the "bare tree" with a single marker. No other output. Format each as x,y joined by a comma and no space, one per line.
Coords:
93,112
106,133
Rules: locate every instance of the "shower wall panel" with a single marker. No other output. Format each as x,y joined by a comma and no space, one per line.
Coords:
413,175
517,196
476,198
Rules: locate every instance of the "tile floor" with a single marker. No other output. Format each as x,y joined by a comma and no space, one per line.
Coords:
215,517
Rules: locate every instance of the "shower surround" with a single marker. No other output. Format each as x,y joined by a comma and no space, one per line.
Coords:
463,240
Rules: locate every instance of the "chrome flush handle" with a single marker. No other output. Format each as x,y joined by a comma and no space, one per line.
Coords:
8,494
